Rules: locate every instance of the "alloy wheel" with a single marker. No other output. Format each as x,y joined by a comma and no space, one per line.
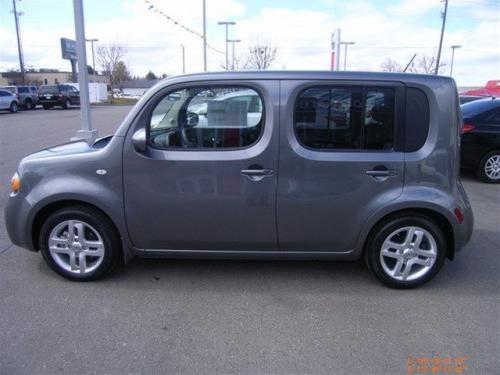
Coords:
408,253
492,167
76,246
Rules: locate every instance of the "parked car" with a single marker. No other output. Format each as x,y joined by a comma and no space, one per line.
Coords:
8,101
470,98
27,96
58,95
481,139
287,182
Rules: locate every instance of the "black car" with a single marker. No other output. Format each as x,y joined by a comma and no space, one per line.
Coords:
481,138
58,95
470,98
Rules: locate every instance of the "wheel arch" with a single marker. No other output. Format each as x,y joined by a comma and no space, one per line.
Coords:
440,219
44,212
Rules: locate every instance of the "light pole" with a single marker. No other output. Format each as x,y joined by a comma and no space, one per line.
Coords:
453,57
345,51
183,59
93,56
204,36
227,23
233,41
18,33
86,132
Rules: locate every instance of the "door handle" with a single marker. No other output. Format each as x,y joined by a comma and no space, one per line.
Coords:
382,173
257,174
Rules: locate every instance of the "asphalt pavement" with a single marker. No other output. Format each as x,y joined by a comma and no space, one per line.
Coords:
250,317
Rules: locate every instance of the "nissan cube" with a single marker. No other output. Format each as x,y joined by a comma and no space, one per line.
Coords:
283,165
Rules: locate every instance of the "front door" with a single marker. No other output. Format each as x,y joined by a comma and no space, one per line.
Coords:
208,178
339,160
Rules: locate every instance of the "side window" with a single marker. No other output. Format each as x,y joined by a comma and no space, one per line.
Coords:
23,90
417,119
207,118
345,118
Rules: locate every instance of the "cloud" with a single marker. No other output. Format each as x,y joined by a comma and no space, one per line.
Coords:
302,35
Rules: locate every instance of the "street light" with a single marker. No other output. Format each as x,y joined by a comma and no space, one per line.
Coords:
233,41
93,56
227,23
453,56
345,51
183,58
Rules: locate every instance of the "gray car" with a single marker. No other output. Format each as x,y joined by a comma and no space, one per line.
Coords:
27,96
282,165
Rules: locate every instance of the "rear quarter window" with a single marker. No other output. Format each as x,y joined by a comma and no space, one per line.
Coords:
417,119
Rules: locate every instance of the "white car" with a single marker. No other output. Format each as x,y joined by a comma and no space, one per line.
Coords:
8,101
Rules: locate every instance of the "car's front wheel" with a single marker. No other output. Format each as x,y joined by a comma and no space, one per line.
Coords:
489,167
406,251
67,104
13,107
79,243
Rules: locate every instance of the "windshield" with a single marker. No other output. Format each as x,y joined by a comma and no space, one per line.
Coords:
48,90
476,107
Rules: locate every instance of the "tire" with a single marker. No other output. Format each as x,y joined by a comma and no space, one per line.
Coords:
100,238
28,104
67,104
384,260
489,168
13,107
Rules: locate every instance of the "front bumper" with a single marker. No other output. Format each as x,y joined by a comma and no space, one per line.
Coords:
17,221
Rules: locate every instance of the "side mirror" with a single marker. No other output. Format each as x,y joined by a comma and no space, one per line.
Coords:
139,140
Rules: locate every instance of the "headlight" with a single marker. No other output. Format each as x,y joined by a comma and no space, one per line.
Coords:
15,183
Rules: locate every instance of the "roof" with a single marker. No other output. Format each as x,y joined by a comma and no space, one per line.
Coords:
137,84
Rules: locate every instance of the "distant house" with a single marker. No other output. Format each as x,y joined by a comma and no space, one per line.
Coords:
42,77
136,87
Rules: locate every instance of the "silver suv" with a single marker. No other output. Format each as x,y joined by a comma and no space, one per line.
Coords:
289,165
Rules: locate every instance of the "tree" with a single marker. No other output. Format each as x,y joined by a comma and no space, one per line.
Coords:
121,73
151,76
260,56
390,65
90,70
110,59
426,65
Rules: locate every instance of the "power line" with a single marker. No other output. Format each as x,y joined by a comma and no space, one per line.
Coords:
157,10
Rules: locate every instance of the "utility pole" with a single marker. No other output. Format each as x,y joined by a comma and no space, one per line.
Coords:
183,59
93,56
227,23
204,36
345,51
436,71
453,57
86,132
19,45
233,41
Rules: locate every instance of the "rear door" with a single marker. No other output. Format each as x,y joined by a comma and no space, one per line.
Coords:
339,160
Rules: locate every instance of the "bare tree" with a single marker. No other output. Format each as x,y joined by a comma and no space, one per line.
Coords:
427,65
109,58
390,65
260,56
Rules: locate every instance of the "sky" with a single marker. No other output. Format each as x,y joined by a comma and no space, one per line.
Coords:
300,29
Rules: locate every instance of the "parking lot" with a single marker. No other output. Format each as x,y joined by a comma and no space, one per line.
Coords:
199,316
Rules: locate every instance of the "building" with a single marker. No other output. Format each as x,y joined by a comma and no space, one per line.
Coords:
136,87
42,77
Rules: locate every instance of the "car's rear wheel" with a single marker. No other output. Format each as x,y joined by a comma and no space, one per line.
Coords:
28,104
406,251
67,104
489,167
13,107
79,243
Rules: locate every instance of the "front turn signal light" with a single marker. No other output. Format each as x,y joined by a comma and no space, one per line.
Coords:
15,183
